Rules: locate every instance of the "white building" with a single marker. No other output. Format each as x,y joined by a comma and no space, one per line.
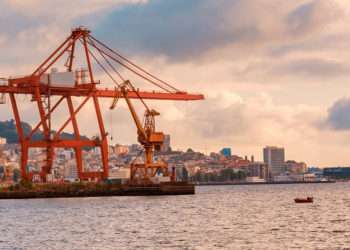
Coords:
121,149
2,141
255,179
119,173
274,158
71,171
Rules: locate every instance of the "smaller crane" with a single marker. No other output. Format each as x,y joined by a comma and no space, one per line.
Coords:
142,173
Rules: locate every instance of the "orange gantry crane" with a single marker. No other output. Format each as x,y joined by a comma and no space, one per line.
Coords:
46,84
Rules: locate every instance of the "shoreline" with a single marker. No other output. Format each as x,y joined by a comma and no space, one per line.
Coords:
262,183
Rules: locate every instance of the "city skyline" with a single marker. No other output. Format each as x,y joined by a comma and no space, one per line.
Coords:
8,135
269,80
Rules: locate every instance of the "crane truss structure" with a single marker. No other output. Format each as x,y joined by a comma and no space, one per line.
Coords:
40,86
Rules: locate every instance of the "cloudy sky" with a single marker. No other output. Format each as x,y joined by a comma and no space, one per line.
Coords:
274,72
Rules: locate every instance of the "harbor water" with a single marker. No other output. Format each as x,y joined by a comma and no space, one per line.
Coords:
217,217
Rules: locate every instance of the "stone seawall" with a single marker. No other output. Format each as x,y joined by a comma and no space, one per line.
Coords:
73,190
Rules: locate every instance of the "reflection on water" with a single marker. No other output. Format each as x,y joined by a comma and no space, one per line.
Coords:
217,217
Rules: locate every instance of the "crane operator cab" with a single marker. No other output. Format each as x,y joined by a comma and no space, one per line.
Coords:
154,138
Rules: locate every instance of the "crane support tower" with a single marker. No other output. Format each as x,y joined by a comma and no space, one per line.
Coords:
49,89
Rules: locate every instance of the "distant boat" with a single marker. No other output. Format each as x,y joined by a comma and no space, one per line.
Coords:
304,200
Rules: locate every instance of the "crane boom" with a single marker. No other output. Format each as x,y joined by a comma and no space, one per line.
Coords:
103,93
140,130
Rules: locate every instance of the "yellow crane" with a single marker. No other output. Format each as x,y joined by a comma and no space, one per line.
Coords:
142,173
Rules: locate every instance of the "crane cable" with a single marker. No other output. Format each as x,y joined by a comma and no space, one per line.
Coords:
111,66
152,81
115,100
103,67
127,83
138,95
130,69
133,64
111,124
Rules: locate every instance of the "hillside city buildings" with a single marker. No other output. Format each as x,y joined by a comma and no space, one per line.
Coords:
190,165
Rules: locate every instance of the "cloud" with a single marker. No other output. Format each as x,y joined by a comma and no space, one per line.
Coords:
257,62
193,30
36,9
338,115
219,117
229,119
312,68
175,28
42,25
313,16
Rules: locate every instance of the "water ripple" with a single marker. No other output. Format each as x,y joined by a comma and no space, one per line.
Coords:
217,217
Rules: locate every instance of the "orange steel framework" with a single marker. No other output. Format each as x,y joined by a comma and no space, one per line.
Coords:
41,93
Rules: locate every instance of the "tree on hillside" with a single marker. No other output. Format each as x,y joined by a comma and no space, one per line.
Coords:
8,130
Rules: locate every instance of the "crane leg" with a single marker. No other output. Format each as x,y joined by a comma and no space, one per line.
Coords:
104,143
24,147
24,161
78,152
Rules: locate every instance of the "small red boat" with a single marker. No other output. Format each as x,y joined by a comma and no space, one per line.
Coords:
304,200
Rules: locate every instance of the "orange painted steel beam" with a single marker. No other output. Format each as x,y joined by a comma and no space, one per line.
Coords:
78,152
71,117
72,143
104,143
39,69
46,117
104,93
24,146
